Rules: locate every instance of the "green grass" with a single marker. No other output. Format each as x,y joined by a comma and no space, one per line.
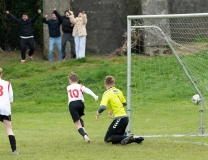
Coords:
200,38
43,126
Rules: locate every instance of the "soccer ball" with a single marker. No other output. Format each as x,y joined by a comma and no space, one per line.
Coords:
196,99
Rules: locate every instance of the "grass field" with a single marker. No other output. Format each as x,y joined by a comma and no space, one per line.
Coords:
44,129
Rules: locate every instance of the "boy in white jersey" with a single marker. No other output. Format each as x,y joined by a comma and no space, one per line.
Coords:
76,103
6,98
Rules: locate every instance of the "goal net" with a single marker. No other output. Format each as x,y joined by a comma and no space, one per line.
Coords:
167,65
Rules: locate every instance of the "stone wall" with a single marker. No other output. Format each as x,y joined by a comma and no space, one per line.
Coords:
150,41
188,6
106,23
150,7
183,7
107,18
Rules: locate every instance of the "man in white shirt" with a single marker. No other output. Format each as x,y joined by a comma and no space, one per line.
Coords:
76,103
6,98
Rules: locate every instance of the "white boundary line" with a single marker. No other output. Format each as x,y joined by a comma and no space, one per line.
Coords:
175,135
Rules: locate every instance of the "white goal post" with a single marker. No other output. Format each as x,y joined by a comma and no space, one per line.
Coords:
153,76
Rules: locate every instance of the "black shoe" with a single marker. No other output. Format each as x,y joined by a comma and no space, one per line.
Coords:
127,140
139,140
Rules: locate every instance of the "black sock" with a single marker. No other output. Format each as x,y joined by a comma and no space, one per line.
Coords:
12,142
82,122
81,131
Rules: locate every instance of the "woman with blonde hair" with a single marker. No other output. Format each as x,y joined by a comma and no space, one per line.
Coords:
80,33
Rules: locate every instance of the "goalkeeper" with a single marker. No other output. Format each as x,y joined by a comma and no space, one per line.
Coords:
113,99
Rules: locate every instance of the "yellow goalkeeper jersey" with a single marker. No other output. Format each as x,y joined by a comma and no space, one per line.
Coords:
113,98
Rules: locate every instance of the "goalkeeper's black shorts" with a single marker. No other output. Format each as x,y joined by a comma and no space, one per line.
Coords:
117,127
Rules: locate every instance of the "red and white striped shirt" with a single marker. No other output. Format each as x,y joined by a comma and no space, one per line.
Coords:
6,97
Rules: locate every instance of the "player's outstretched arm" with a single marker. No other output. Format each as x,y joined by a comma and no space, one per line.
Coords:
57,15
45,19
88,91
71,17
13,17
33,19
84,18
100,110
10,93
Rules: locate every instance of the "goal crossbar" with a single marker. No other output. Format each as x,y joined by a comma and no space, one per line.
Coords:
195,15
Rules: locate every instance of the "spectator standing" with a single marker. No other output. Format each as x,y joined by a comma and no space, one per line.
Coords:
26,35
67,28
54,33
80,33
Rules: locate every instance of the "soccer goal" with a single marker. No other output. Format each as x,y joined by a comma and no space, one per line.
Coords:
167,64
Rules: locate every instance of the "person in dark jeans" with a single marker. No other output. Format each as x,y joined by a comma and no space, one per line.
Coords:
67,28
55,35
26,36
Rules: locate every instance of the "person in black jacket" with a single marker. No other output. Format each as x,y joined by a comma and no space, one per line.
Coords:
26,36
54,33
67,28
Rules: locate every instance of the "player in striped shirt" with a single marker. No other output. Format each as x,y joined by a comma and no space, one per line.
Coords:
76,103
6,98
113,99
